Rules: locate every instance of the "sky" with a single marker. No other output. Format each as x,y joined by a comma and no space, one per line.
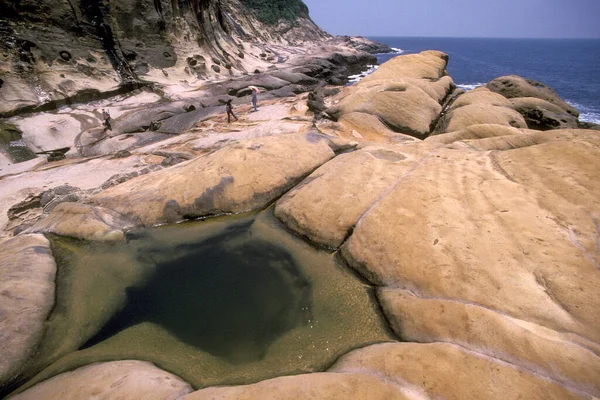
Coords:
459,18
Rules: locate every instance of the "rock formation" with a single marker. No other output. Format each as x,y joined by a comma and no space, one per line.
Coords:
472,216
59,53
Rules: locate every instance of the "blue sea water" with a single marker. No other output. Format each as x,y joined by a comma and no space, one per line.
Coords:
569,66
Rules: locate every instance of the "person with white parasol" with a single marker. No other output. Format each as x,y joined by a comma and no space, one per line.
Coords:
255,92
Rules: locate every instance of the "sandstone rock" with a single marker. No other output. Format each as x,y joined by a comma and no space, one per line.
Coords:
27,276
478,131
240,177
513,86
525,139
326,206
508,231
481,106
83,222
451,372
401,105
543,115
321,386
110,380
405,93
429,65
369,127
515,341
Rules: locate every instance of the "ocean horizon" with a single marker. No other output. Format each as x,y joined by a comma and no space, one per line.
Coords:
569,66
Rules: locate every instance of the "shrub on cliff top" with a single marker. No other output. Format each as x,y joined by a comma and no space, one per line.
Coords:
271,12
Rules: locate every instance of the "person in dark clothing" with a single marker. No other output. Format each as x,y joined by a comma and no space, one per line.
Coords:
230,113
107,123
255,98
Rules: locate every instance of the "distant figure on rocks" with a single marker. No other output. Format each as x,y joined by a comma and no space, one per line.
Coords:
107,124
230,113
255,93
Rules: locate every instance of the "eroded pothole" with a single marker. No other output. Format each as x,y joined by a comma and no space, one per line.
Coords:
224,301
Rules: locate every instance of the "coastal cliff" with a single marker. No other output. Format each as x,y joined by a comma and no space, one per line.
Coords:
54,53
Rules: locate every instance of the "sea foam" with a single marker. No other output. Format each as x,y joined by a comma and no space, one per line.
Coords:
370,69
469,86
586,114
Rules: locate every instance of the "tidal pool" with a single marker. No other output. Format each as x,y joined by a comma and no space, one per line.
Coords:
227,300
12,144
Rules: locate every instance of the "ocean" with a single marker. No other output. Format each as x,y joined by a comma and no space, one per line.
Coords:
569,66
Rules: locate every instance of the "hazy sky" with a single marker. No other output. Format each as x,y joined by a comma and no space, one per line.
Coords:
459,18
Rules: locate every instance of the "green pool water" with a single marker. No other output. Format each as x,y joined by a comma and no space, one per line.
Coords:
227,300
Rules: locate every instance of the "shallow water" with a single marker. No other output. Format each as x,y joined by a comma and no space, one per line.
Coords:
12,145
223,301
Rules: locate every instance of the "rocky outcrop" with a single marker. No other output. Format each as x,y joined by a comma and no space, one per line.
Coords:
117,379
83,222
327,205
481,242
27,276
430,370
480,106
406,94
543,115
239,178
541,106
55,54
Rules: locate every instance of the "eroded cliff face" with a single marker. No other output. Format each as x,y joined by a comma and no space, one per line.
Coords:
57,50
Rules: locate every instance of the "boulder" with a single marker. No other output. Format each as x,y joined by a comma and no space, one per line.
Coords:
505,230
83,222
400,104
430,65
441,370
514,86
327,205
405,93
27,274
481,106
126,379
515,341
240,177
543,115
364,127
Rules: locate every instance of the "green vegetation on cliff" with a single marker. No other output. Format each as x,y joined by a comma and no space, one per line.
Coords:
271,12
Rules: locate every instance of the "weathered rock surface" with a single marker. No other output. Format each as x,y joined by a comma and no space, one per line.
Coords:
83,222
110,380
543,115
326,206
493,251
238,178
405,93
447,371
481,106
475,132
515,86
27,272
362,127
538,349
322,386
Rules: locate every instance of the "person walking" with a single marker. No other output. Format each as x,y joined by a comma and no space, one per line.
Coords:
255,92
107,122
230,113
